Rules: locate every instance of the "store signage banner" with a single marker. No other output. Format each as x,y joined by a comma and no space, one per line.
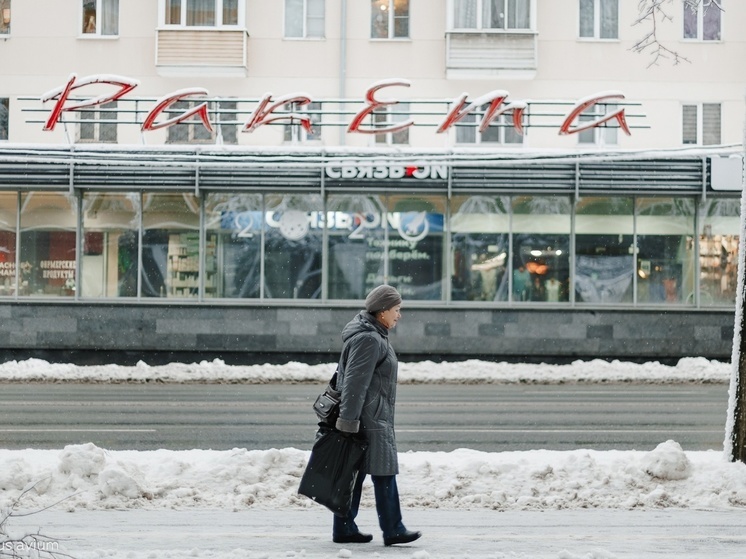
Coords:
287,108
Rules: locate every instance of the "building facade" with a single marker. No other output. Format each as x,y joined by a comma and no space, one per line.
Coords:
230,177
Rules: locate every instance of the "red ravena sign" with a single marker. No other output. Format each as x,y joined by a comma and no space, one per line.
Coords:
272,109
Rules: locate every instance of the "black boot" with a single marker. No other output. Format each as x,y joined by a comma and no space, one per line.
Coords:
357,537
405,537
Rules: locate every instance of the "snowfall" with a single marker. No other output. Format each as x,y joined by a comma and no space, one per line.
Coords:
90,502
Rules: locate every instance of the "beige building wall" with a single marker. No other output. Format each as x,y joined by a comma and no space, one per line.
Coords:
45,46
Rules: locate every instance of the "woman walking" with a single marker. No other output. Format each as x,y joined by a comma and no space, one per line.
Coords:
367,380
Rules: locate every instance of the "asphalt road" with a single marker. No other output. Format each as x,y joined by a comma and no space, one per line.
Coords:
429,417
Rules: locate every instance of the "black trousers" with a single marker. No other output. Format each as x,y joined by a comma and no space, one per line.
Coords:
387,506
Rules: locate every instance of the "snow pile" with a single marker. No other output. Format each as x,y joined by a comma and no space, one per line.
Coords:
693,369
88,477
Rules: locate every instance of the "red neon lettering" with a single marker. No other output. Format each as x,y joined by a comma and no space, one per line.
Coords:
261,114
62,93
495,99
165,102
374,104
584,104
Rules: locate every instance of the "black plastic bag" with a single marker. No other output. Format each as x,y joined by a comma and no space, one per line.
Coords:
333,469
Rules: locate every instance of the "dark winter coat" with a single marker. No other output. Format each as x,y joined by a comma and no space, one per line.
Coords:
367,380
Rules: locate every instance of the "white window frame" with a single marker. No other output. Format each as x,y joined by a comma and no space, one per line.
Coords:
480,24
701,124
392,114
240,24
6,13
500,124
105,112
605,135
5,112
296,133
194,130
97,25
597,22
701,6
391,14
305,32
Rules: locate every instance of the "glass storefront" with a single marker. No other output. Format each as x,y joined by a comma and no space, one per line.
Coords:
719,227
109,261
480,250
47,248
604,250
665,250
476,248
8,226
541,247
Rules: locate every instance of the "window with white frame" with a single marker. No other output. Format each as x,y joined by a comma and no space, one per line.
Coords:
604,135
389,19
100,125
491,14
304,19
499,131
4,112
703,19
701,124
5,12
193,131
385,117
599,19
203,13
296,133
100,17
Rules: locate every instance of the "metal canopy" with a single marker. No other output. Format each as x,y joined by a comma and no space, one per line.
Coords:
211,168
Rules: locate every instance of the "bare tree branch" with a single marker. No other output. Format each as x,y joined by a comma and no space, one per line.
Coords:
652,13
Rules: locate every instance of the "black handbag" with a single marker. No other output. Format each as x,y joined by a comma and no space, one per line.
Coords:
326,405
332,470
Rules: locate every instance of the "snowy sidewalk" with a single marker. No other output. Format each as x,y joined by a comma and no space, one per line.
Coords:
269,534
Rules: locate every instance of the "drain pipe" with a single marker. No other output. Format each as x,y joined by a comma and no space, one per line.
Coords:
342,64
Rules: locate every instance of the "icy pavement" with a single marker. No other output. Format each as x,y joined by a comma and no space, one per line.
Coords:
269,534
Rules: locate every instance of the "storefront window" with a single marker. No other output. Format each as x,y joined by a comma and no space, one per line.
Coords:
293,246
604,250
47,247
665,259
719,236
356,244
8,222
415,246
480,250
170,245
108,264
541,247
233,245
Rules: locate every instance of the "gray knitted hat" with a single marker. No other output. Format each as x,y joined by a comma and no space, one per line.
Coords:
382,298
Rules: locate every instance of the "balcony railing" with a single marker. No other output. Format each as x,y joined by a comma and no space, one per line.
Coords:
489,54
200,51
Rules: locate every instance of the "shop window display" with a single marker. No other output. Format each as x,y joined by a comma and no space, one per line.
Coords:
480,233
665,250
541,247
108,263
233,245
414,246
719,237
170,246
604,250
8,221
48,244
293,241
356,239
